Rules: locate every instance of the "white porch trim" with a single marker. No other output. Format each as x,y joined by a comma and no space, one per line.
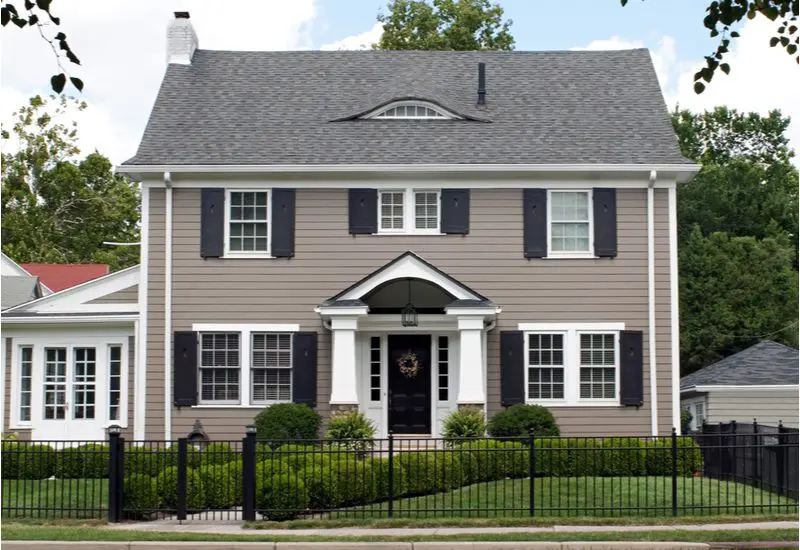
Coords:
344,390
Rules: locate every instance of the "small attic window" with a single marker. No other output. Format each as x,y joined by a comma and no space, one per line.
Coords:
411,110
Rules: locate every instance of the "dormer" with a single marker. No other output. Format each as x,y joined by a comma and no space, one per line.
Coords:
411,110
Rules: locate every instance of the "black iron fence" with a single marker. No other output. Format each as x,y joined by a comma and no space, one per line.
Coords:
401,477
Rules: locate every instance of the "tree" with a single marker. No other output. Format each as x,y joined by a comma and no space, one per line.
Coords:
33,16
722,15
444,25
734,292
56,206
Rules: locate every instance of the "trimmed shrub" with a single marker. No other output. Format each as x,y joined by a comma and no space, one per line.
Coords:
281,497
322,485
585,457
354,477
519,420
432,471
622,456
27,460
233,472
219,485
552,456
167,487
464,422
268,468
379,471
217,453
497,459
148,461
84,461
658,457
140,496
286,422
351,430
299,456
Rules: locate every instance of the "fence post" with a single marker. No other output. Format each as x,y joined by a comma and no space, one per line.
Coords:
391,474
115,473
183,459
249,474
756,452
531,473
674,472
780,461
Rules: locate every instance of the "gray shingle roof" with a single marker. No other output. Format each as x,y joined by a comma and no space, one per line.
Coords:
17,290
766,363
581,107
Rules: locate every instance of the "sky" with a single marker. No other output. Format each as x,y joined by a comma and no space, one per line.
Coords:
122,47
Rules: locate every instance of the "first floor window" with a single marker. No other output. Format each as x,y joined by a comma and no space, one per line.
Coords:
444,368
598,366
271,366
375,368
114,382
25,378
248,225
55,383
546,366
83,383
220,365
569,221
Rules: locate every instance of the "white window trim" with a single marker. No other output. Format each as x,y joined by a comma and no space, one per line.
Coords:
570,254
691,404
260,254
409,212
571,333
446,115
16,386
245,331
244,347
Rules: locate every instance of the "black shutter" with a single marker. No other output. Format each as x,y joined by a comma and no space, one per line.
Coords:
455,211
212,223
304,368
534,203
630,368
184,369
283,223
605,222
363,211
512,361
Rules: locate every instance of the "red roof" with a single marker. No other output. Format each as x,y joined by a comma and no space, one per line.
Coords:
60,276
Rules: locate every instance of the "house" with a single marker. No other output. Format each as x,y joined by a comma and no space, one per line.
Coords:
760,382
18,285
406,233
61,276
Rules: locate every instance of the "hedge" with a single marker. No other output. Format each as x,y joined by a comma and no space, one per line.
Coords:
434,471
323,487
282,497
27,460
222,484
140,495
496,459
379,470
217,453
84,461
623,456
659,457
167,487
299,456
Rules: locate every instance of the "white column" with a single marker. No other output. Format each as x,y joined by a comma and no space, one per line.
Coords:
343,372
472,371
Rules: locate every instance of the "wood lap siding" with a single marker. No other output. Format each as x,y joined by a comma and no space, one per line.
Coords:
768,407
489,260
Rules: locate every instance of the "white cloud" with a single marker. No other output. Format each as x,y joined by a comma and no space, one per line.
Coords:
122,48
363,41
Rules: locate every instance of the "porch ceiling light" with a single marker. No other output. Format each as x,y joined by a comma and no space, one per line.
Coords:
408,316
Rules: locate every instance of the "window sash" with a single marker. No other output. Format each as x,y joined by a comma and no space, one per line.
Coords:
398,211
114,382
599,366
443,361
271,364
220,365
248,215
375,369
25,383
391,211
568,232
546,360
84,383
55,383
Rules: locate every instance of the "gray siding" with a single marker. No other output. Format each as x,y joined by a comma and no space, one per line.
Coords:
128,295
767,407
489,260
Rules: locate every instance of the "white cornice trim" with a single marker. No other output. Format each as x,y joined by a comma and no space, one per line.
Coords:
563,327
336,311
45,318
721,387
246,327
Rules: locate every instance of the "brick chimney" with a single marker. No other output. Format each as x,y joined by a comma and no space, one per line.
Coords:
181,39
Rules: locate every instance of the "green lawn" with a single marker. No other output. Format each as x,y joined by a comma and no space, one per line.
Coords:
54,498
588,496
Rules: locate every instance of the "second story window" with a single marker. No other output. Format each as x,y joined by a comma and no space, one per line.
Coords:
570,222
248,223
407,211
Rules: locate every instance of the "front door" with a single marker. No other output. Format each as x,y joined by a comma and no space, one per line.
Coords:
410,384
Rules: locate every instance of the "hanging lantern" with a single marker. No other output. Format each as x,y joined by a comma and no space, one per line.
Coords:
408,316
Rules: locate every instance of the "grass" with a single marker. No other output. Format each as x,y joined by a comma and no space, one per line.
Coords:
47,498
12,531
588,496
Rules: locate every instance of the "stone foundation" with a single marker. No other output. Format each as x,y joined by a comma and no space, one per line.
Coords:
336,409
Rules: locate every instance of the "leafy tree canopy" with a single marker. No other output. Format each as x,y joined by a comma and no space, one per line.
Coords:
723,15
56,206
444,25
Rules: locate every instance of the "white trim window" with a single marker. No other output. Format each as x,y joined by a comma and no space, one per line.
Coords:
247,222
271,367
546,366
409,211
84,383
55,383
569,223
411,110
114,382
220,367
598,364
25,383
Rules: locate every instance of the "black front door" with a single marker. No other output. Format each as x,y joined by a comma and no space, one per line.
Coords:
410,392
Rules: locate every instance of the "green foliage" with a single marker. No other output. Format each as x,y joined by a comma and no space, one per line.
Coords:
27,460
149,461
140,495
323,487
269,467
622,456
222,484
433,471
464,422
686,419
84,461
495,459
56,206
519,420
218,453
300,456
659,457
286,422
167,487
351,430
281,497
379,470
444,25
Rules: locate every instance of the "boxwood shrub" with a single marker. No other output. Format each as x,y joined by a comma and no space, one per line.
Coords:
140,497
658,457
322,485
217,453
622,456
219,485
496,459
552,456
281,497
299,456
148,461
84,461
167,487
433,471
27,460
379,471
519,420
286,422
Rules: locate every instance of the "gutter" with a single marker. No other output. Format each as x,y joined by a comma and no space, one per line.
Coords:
651,304
168,308
43,318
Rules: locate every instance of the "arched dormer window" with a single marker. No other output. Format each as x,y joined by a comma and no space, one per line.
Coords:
418,110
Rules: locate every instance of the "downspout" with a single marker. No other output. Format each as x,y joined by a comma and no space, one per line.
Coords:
651,304
168,308
140,371
484,348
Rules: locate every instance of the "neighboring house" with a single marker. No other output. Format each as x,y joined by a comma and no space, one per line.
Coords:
62,276
760,382
18,289
10,268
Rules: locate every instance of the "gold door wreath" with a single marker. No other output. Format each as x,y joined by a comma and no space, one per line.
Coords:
409,365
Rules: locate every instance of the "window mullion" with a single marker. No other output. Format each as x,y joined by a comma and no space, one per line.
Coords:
245,361
408,211
572,366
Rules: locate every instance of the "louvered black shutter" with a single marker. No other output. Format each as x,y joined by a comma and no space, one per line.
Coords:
512,361
455,211
184,369
605,222
283,223
212,223
534,203
363,211
630,368
304,368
